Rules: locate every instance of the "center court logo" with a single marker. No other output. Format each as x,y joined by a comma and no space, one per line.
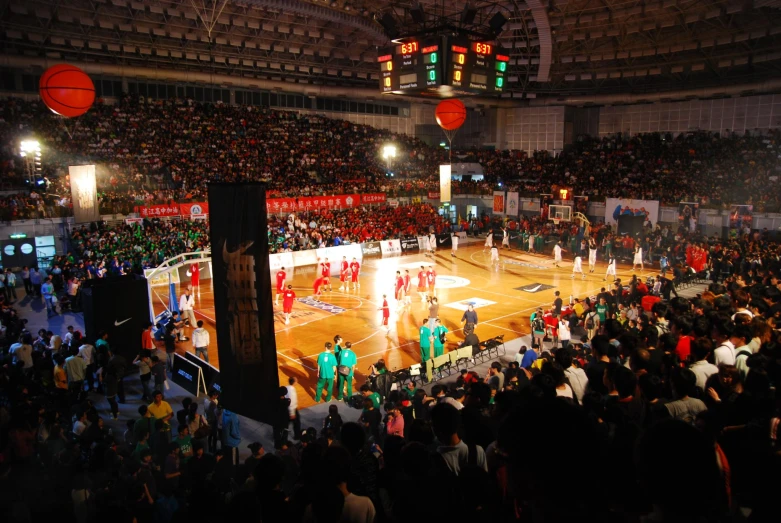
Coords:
525,264
451,282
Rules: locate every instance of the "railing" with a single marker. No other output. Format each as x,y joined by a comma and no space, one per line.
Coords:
172,264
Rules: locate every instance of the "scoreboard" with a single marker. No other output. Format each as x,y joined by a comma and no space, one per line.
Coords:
414,66
476,67
442,67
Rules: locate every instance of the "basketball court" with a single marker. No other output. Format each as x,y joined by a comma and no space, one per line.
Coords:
504,296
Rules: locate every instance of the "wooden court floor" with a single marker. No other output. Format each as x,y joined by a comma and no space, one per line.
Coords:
501,304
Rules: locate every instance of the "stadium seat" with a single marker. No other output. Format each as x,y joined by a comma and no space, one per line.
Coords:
442,364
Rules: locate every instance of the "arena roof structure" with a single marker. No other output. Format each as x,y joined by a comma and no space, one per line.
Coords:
565,50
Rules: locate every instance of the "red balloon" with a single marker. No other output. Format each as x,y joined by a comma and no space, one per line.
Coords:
66,90
451,114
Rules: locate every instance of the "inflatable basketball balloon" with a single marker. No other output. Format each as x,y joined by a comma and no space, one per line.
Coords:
451,114
67,90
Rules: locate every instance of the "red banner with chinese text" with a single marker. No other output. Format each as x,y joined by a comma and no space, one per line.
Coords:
159,211
310,203
378,197
188,209
433,195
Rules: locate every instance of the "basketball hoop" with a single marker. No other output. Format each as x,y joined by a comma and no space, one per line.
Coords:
556,221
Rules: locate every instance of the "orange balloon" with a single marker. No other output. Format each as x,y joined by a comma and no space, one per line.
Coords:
66,90
450,114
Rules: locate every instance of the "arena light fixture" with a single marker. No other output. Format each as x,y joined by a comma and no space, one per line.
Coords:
30,147
389,152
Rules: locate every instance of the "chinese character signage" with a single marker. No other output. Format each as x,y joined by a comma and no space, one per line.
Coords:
84,194
311,203
373,198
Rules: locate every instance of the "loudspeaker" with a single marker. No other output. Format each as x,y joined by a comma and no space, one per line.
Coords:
389,24
120,306
469,14
497,23
418,15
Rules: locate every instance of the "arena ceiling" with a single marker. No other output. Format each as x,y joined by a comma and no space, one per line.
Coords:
558,47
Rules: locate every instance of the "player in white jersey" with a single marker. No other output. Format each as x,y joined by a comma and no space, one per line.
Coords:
638,259
494,255
577,266
592,255
489,240
432,243
505,238
611,267
453,244
556,254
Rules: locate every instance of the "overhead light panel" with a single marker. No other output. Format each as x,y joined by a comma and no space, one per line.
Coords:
497,23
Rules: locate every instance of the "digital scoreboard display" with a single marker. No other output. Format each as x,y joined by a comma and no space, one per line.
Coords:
476,67
414,66
442,67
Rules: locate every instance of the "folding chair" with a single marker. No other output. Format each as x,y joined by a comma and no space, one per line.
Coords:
491,350
442,364
501,350
482,356
414,373
453,355
429,370
463,356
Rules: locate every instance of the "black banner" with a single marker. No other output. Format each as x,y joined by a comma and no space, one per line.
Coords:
211,375
185,374
371,249
120,306
243,308
498,236
631,225
444,240
409,244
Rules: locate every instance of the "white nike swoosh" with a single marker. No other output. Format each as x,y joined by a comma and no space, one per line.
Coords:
118,323
533,289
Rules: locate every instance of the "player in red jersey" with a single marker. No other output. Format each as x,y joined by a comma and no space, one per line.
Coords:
407,288
431,278
325,272
195,278
344,273
355,269
317,288
281,279
422,282
399,290
289,296
385,313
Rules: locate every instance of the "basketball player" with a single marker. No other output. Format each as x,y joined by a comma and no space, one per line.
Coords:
288,297
431,279
281,279
489,240
494,255
317,288
399,291
195,278
385,314
407,288
505,238
343,273
556,254
577,266
453,245
592,255
638,259
355,268
611,267
422,282
325,271
432,244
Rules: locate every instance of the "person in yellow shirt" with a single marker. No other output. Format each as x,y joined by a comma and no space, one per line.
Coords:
578,307
161,410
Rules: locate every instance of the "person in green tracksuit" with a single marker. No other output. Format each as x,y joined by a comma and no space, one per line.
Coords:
326,367
425,342
338,348
425,349
439,347
347,358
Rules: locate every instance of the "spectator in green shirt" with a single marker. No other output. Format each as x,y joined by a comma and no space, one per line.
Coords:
326,368
369,394
601,309
425,342
185,442
439,347
347,358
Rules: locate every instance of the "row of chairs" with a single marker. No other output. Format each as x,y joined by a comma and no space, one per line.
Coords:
456,360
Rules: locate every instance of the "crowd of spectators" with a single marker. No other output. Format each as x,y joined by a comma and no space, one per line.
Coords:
668,412
158,151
